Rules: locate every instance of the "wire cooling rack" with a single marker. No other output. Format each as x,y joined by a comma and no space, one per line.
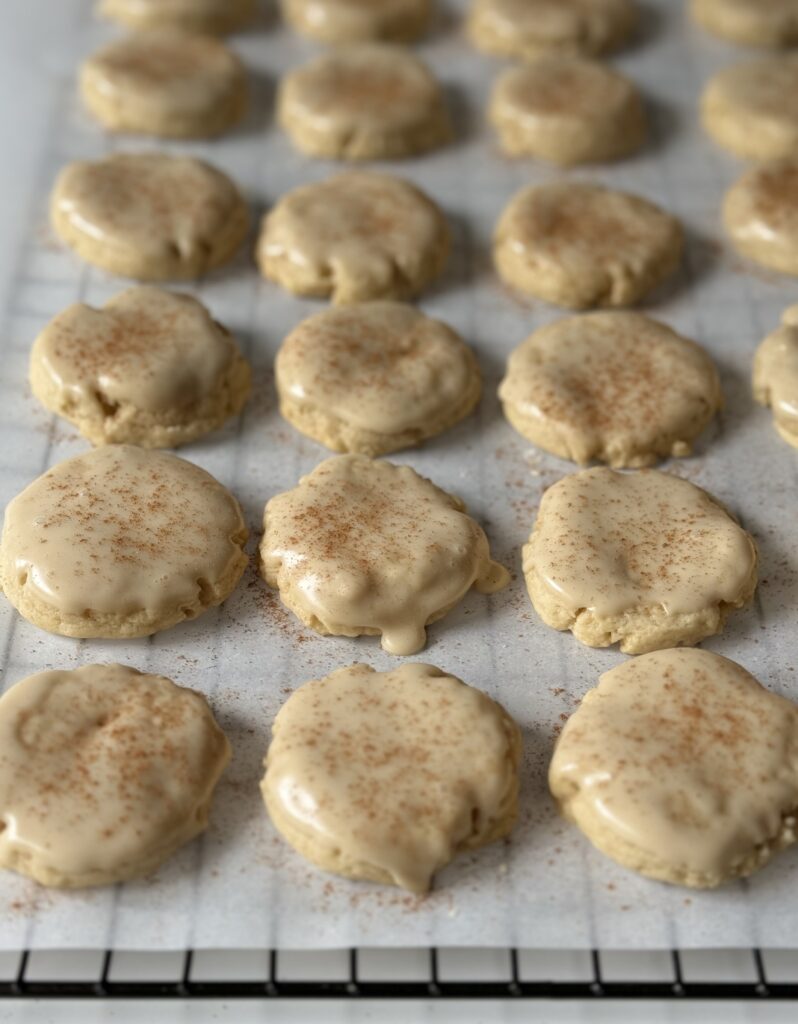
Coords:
433,972
424,974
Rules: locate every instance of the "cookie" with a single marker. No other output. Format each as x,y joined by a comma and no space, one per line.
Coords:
760,213
743,108
375,378
165,82
645,559
214,16
120,542
353,21
364,101
150,368
767,23
681,766
579,245
105,773
776,376
387,776
363,547
528,28
616,387
353,238
149,216
567,110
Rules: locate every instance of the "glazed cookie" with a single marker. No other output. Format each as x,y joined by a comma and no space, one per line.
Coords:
105,772
362,547
387,776
776,375
768,23
150,368
528,28
580,245
645,559
616,387
679,765
760,213
743,108
567,110
375,378
215,16
120,542
165,82
355,237
150,216
352,21
365,101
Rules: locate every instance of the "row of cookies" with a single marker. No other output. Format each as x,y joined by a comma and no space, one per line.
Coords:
124,542
679,765
153,368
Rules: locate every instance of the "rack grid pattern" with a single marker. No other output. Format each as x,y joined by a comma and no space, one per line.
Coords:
45,283
189,982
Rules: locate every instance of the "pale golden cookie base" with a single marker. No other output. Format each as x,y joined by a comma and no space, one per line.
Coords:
571,144
618,452
141,118
775,253
232,15
340,436
344,286
376,142
786,428
105,422
749,30
482,35
329,857
747,134
29,863
126,261
568,145
404,27
647,864
641,629
102,625
611,285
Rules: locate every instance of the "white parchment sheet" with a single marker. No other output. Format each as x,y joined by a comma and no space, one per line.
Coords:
241,885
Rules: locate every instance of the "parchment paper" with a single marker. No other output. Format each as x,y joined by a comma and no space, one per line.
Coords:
240,885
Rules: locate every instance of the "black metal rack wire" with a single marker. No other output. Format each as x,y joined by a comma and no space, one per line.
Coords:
271,986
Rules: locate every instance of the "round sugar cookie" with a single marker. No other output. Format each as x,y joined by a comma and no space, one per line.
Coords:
214,16
353,238
120,542
579,245
776,375
353,21
364,101
768,23
149,216
760,213
617,387
679,765
165,82
567,110
375,378
364,547
151,368
645,559
105,772
743,108
528,28
387,776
